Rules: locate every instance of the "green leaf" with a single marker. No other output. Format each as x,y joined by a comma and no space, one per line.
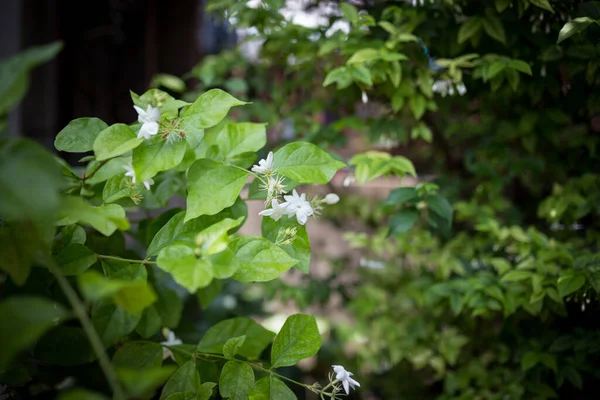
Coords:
210,108
225,264
440,206
305,163
418,105
81,394
30,180
493,27
260,259
236,380
271,388
231,346
401,195
150,323
421,130
141,384
402,221
79,135
187,270
105,219
183,384
529,359
513,78
570,282
238,138
137,355
361,74
225,183
23,319
169,306
501,5
14,77
469,28
112,322
520,66
119,186
298,249
257,337
515,276
573,27
115,140
545,4
168,105
341,75
298,339
364,55
22,244
350,12
214,239
208,294
72,234
157,154
75,259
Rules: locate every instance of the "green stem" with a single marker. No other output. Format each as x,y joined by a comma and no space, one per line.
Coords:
86,177
91,333
125,259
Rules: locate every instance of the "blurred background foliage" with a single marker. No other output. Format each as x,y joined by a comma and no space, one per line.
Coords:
487,289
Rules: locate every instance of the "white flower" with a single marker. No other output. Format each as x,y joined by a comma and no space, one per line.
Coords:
264,166
299,206
172,340
277,211
345,377
149,120
148,182
130,172
462,89
332,198
365,98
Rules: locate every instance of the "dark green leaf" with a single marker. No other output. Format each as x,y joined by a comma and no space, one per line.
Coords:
79,135
257,337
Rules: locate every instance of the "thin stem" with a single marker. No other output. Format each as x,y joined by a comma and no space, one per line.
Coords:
125,259
86,177
91,333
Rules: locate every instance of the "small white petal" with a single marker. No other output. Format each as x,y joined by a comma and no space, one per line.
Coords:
332,198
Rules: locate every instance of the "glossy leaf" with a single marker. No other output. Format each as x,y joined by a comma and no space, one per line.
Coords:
115,140
75,259
79,135
305,163
298,339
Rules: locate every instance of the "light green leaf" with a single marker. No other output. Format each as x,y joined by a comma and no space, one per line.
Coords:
298,249
187,270
225,183
545,4
418,105
119,186
225,263
81,394
257,337
168,105
138,355
260,259
493,27
513,78
176,231
115,140
515,276
23,319
157,154
573,27
421,130
305,163
469,28
210,108
341,75
298,339
214,239
238,138
109,169
105,219
570,282
112,322
271,388
236,380
72,234
79,135
364,55
184,383
231,346
75,258
21,161
361,73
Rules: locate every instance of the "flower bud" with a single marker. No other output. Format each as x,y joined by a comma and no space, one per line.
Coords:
332,198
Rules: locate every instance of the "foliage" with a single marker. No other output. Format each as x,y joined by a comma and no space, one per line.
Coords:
487,296
85,280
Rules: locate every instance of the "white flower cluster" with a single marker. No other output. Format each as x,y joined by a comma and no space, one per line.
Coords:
295,204
446,87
